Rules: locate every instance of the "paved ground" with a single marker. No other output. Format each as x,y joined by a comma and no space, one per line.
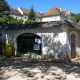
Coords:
21,69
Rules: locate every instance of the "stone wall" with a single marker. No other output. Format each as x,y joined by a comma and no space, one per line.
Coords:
53,40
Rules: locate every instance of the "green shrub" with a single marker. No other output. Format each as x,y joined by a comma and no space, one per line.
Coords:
3,19
15,21
29,21
19,21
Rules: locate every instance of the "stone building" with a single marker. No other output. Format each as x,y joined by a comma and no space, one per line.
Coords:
55,39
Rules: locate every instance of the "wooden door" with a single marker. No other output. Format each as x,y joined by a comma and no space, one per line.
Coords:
73,47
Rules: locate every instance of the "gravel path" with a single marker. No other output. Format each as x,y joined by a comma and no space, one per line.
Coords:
21,69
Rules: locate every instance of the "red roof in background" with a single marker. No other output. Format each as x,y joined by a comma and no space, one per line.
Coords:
15,11
26,11
54,11
51,12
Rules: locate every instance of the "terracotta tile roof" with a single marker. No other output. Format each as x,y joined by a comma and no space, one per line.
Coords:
38,14
26,11
63,12
15,11
54,11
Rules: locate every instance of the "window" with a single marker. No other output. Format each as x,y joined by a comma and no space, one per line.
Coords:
72,40
37,20
16,17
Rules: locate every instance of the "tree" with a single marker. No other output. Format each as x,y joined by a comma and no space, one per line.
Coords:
15,21
3,19
76,16
12,20
4,8
29,21
19,21
32,15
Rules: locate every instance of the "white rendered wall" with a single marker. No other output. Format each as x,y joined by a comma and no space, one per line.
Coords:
16,16
53,40
51,18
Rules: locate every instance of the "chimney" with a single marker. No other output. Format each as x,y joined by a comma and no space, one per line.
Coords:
68,11
41,12
60,8
10,7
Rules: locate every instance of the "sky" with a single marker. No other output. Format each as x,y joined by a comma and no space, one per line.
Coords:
45,5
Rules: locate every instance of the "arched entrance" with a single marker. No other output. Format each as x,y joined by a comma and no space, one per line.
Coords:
29,43
74,43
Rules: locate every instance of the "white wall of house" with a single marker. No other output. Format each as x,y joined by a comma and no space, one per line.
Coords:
51,18
62,17
16,16
38,19
53,40
25,18
58,18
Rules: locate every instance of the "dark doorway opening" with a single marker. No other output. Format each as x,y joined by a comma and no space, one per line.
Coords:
73,48
29,43
2,45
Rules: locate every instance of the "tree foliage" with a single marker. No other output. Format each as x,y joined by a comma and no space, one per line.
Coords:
76,16
3,19
4,8
15,21
29,21
12,20
19,21
32,15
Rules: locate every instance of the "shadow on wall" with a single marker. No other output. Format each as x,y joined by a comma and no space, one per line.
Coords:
52,46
